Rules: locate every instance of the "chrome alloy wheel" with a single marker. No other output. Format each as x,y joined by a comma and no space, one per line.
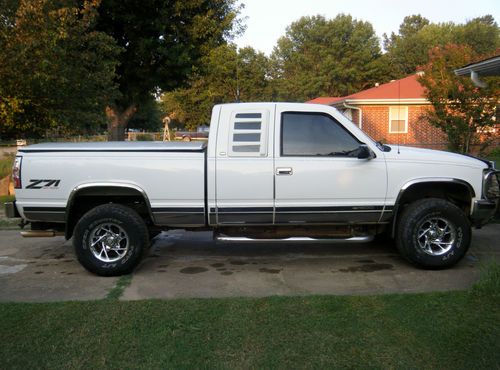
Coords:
436,236
109,242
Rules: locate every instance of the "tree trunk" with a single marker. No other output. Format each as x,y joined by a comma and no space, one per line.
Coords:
118,120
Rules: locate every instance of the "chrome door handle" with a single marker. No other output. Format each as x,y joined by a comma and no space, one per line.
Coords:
284,171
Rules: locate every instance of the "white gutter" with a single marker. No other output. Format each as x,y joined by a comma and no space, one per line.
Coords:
360,113
476,80
396,101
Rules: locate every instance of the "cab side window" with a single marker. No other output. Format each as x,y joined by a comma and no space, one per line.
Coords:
315,134
247,135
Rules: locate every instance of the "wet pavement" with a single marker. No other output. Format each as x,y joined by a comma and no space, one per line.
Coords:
191,264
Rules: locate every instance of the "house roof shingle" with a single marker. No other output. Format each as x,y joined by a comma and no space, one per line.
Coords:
405,88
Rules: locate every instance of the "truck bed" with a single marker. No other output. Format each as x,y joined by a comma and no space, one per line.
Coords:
117,146
171,175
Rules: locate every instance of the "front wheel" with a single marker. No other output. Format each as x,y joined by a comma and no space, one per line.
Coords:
110,240
433,233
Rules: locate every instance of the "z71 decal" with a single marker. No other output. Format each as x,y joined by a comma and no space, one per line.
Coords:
43,184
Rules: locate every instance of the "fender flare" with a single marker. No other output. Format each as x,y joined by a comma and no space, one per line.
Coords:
424,180
100,184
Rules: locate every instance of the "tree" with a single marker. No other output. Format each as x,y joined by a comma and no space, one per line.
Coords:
461,110
162,40
227,75
482,34
409,48
333,57
148,117
56,70
406,50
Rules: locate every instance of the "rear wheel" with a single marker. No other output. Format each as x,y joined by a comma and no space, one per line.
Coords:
110,240
433,233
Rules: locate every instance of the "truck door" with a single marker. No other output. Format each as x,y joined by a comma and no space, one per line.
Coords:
318,177
244,165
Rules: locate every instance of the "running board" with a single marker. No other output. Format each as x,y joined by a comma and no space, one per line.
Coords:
239,239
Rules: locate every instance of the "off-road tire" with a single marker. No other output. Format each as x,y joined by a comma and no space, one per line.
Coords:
122,217
412,221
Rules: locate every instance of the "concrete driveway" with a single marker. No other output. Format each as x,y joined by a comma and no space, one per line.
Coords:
188,264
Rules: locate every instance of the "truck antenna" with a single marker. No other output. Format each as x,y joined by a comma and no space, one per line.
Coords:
237,77
399,112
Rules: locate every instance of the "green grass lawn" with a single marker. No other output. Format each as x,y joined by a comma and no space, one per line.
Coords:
6,166
454,330
5,198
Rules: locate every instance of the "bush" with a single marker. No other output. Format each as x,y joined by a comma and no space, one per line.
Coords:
494,155
6,165
145,137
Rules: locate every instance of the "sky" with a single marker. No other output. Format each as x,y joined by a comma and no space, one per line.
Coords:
266,20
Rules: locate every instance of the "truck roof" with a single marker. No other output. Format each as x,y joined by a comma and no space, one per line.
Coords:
117,146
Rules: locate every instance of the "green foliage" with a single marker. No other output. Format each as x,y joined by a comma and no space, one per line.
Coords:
489,284
494,155
56,70
161,42
145,137
449,330
409,48
148,117
227,75
6,165
122,283
321,57
463,111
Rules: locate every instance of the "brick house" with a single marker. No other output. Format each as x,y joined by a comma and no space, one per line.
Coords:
391,112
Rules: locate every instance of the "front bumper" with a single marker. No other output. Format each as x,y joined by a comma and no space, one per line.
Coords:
11,210
483,211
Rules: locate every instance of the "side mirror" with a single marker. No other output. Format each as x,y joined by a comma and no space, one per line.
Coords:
365,152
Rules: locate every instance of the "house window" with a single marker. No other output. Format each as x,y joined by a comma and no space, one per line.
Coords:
398,120
247,137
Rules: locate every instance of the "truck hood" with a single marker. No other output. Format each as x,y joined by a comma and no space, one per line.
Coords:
419,155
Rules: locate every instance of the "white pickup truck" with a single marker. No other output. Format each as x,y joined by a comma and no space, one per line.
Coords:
271,171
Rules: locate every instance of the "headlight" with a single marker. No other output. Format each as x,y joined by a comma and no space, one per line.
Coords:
491,187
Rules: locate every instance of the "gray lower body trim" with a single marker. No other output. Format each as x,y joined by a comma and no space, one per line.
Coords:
299,215
45,214
246,218
347,217
188,217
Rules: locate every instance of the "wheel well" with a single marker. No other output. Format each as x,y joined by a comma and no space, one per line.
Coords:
458,193
85,199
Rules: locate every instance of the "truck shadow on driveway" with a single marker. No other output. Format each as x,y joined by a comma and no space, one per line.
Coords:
190,264
187,264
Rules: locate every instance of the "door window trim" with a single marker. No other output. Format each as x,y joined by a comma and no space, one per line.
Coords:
315,114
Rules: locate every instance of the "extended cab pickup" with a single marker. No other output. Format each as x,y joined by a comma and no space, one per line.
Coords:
271,171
